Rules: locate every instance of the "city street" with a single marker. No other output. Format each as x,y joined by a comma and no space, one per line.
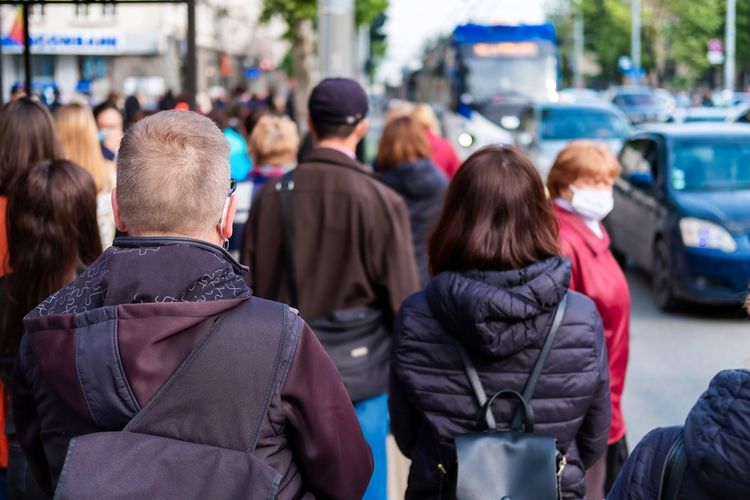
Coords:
674,356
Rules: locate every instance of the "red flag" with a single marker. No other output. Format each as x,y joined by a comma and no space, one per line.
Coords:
16,30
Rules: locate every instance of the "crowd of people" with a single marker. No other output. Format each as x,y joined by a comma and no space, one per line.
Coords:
217,306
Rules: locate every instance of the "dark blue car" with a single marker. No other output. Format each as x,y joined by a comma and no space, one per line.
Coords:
682,211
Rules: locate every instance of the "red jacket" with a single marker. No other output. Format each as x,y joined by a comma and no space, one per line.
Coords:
595,273
443,154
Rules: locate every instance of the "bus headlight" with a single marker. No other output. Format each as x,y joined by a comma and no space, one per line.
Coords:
699,233
465,139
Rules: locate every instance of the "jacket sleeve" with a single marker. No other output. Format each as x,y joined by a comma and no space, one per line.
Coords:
392,265
405,420
27,421
323,429
594,431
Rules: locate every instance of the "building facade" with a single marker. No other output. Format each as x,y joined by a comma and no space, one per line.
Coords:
95,49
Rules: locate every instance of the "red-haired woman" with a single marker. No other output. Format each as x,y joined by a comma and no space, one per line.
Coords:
498,281
53,234
580,183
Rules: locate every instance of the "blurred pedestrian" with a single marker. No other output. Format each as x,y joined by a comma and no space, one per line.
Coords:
335,242
28,137
109,123
167,101
443,153
498,280
53,235
273,143
17,91
233,394
404,164
713,443
580,184
132,108
76,129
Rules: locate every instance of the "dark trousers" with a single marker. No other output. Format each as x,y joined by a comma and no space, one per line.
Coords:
601,476
21,483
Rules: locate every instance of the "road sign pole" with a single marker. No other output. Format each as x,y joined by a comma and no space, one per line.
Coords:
729,71
336,38
578,46
26,49
635,34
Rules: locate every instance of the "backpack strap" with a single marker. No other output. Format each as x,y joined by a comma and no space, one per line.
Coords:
221,393
673,470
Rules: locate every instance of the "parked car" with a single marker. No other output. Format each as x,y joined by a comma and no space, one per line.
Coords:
682,211
640,104
547,128
580,96
700,114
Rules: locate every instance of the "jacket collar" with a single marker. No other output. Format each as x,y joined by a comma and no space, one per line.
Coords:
593,242
333,157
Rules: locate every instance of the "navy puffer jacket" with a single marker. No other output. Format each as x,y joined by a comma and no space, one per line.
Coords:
717,445
422,186
501,318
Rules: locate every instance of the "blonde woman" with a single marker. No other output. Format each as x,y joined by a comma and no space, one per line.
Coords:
77,132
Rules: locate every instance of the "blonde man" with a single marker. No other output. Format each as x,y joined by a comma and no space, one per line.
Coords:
225,395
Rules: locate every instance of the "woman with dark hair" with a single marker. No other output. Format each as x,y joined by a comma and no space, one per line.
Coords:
27,136
498,280
53,234
404,163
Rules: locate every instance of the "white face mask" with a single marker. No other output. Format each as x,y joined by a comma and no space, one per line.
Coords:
592,203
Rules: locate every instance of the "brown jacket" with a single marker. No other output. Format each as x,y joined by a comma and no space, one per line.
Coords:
352,240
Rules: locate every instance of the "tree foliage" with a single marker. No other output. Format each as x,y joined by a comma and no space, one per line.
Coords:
295,11
674,36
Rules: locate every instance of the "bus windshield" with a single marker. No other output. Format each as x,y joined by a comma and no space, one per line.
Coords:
509,71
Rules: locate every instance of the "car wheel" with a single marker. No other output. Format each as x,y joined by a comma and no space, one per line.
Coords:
663,281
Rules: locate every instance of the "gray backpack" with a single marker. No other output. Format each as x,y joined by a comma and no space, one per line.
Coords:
161,454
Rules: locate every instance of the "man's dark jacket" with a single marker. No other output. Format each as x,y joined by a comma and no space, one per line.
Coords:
717,446
501,318
423,188
168,292
352,247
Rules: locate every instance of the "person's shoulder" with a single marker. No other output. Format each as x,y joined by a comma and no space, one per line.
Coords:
582,316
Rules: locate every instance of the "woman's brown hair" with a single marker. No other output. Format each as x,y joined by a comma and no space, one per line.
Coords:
27,135
403,141
496,216
52,233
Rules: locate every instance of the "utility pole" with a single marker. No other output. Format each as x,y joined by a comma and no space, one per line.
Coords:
730,42
336,38
578,45
635,35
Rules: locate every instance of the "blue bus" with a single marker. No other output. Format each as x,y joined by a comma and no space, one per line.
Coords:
482,78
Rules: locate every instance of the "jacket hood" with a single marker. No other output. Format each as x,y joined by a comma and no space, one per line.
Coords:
107,342
499,313
416,180
717,435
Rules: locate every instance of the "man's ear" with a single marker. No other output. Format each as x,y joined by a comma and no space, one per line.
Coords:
310,128
362,127
228,220
119,222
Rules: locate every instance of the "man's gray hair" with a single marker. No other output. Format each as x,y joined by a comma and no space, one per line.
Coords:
172,174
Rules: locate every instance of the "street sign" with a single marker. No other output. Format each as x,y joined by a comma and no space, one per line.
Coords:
715,53
624,63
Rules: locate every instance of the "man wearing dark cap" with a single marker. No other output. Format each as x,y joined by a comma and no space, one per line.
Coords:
335,242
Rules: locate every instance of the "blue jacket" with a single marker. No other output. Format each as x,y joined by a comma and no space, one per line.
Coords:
717,444
502,319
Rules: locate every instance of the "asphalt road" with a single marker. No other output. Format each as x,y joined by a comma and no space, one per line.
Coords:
674,356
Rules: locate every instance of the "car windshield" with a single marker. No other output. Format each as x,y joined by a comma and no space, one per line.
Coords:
579,123
710,166
635,100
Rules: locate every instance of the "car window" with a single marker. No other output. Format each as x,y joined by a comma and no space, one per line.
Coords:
638,157
573,123
634,100
710,165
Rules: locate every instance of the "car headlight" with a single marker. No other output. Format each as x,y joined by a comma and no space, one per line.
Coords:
465,139
699,233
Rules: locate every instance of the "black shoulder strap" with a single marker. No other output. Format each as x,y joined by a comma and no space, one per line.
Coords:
528,391
673,470
284,188
221,393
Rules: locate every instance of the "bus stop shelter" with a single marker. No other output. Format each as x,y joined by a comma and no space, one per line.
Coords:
191,76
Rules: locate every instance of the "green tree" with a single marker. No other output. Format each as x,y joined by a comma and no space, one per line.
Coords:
300,17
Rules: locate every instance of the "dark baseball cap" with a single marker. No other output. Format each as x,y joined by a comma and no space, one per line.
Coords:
338,101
